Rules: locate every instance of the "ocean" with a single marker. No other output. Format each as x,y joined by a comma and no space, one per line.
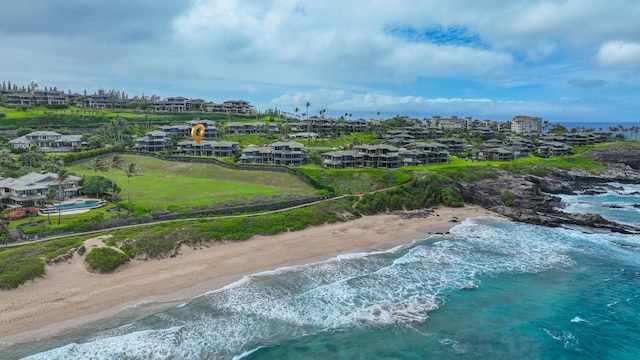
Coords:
490,289
604,126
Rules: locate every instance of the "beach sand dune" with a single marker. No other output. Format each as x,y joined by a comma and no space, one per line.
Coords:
70,296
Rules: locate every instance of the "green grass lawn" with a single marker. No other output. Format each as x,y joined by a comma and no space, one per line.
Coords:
165,183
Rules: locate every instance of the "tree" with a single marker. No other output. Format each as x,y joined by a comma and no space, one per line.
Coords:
97,164
99,185
297,110
33,156
558,129
94,142
130,170
53,163
114,162
308,122
7,162
50,197
118,126
61,177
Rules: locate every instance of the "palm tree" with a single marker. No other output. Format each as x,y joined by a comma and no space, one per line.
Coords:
61,176
118,125
129,170
53,163
32,156
114,162
96,165
297,110
308,122
6,160
50,196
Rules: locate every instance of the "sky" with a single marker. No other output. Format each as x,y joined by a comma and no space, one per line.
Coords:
562,60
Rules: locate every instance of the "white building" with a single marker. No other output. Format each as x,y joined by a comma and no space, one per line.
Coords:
48,141
526,125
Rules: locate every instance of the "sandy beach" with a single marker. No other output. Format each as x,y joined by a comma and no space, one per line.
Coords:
70,296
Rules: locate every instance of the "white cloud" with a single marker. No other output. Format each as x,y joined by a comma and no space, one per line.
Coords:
336,102
257,50
619,55
330,43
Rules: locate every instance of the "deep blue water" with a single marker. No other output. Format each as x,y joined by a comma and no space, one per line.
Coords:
604,126
492,289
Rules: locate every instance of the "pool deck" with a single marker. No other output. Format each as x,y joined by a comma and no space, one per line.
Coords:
76,211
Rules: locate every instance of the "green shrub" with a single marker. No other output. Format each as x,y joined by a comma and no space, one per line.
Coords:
86,224
82,250
105,259
20,271
506,196
451,197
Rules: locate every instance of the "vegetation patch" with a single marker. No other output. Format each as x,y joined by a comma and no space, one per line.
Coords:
424,192
21,264
105,260
159,240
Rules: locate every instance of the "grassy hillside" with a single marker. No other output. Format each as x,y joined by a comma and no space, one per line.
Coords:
165,185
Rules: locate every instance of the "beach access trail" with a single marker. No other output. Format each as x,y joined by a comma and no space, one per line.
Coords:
94,232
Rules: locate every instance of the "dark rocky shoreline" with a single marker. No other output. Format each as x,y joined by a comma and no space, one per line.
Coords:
534,200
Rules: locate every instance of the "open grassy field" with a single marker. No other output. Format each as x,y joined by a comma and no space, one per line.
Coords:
163,184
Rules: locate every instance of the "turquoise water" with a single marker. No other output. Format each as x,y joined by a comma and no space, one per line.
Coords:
76,205
492,289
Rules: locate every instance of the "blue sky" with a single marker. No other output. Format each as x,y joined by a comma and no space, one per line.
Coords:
565,61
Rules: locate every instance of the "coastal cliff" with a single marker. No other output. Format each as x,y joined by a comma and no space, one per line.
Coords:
532,198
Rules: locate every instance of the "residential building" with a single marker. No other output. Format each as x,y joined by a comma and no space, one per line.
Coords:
208,148
454,145
184,130
30,189
304,136
495,154
554,148
244,128
257,155
153,141
433,152
288,153
342,159
48,141
179,130
232,107
379,156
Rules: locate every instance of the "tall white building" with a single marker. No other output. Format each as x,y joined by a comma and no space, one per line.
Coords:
526,125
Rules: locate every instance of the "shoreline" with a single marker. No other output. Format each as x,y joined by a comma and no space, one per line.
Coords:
70,297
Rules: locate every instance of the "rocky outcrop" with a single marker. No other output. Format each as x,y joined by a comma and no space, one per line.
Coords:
624,155
532,200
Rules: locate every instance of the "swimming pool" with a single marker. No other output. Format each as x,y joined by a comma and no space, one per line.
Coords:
86,204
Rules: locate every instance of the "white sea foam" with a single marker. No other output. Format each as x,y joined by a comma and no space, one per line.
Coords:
578,319
569,341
